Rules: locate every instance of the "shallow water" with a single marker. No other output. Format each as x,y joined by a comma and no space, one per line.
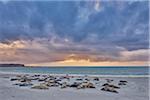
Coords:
128,70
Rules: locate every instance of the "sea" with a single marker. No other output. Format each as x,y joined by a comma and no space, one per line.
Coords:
102,70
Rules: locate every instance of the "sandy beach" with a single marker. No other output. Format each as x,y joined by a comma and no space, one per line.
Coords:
135,89
74,50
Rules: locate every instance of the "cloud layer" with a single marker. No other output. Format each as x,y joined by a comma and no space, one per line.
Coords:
41,32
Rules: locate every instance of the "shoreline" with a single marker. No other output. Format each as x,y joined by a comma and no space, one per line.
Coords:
90,75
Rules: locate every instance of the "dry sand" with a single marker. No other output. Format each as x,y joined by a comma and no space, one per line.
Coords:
136,89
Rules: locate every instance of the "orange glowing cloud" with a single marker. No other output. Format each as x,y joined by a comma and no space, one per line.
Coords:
38,53
88,63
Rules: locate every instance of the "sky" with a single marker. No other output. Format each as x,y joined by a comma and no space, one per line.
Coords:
74,33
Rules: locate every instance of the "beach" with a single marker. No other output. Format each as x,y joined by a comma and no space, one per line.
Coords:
136,88
74,50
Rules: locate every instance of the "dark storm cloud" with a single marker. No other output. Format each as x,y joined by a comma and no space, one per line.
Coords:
100,30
